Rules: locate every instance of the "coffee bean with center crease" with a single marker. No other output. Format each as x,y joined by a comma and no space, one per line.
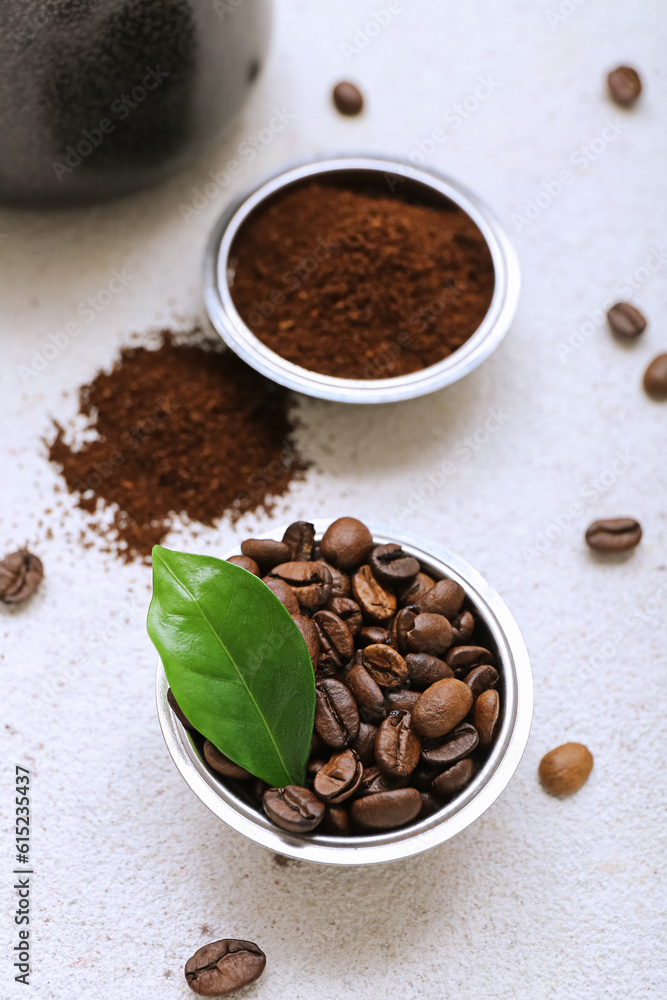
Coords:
336,642
20,575
336,714
423,633
413,592
625,320
222,764
374,780
480,678
346,543
348,610
625,85
245,562
454,779
310,581
376,602
391,565
441,707
397,745
385,665
366,692
293,808
424,669
463,626
266,551
341,585
444,598
300,538
311,636
655,378
401,699
615,534
463,659
339,778
222,967
447,749
485,716
283,592
386,810
364,745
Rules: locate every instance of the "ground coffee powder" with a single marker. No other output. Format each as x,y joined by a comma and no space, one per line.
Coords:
186,429
358,282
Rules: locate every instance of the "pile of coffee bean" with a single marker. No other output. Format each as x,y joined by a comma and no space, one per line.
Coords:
407,682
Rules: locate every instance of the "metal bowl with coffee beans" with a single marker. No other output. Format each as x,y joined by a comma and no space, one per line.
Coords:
423,698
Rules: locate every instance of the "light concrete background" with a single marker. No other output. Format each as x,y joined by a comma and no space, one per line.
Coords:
540,898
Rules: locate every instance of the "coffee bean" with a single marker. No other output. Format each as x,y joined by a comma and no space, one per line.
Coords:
310,581
463,626
445,750
485,716
615,534
173,704
397,745
346,543
336,715
462,659
386,810
300,538
373,634
245,562
415,591
366,692
339,778
311,636
441,707
655,378
424,669
266,552
222,764
454,779
376,603
430,805
348,610
364,745
347,98
400,699
625,85
312,767
566,768
374,780
336,821
625,320
336,642
222,967
293,808
391,565
423,633
444,598
20,575
341,585
480,678
283,592
385,665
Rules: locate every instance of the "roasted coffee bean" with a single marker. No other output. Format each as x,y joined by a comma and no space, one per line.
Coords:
481,678
245,562
485,716
625,320
222,967
176,709
397,745
445,750
311,636
312,767
625,85
310,581
348,610
426,633
347,98
20,575
374,780
391,565
336,642
222,764
385,665
430,805
346,543
300,538
566,768
401,699
339,778
424,669
366,692
655,378
463,627
341,585
615,534
336,715
364,745
376,602
415,591
373,634
293,808
336,821
454,779
283,592
444,598
266,552
386,810
441,707
462,659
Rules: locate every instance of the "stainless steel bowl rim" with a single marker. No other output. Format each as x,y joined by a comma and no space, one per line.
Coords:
242,341
453,817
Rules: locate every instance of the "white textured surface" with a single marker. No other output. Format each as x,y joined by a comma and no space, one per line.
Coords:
540,898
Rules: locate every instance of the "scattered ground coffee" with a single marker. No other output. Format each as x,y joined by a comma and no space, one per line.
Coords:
186,429
359,283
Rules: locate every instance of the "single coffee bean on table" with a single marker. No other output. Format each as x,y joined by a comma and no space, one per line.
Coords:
655,378
625,85
566,769
347,98
223,967
20,575
614,535
625,320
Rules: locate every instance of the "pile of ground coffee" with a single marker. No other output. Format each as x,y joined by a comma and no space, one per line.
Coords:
186,429
360,283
